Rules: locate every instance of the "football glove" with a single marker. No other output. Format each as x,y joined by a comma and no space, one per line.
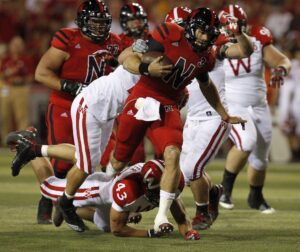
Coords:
140,46
230,23
134,218
192,235
152,233
71,87
277,76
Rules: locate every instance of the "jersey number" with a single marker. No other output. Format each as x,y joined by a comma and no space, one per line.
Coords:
178,74
240,62
121,196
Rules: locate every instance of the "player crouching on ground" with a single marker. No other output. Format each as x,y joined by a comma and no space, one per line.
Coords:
110,203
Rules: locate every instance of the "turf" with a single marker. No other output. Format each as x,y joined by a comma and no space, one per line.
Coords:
240,229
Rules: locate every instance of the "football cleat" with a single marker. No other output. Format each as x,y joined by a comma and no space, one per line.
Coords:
68,211
260,205
201,221
44,211
12,138
57,217
225,202
25,153
214,198
164,226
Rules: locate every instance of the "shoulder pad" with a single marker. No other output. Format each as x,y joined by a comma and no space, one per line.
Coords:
168,31
63,37
262,34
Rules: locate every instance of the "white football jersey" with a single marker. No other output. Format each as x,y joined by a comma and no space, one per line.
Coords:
198,107
106,95
244,79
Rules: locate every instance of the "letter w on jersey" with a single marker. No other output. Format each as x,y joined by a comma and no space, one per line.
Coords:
235,65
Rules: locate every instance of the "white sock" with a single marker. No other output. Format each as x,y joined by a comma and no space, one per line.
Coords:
165,202
44,150
110,171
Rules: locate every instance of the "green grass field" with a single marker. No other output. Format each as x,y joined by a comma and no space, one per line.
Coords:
240,229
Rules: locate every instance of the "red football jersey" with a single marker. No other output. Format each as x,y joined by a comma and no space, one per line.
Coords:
187,65
262,34
85,63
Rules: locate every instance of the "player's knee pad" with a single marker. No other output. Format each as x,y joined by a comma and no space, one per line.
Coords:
258,163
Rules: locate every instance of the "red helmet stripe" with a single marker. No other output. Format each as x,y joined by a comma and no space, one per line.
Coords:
212,19
100,5
132,9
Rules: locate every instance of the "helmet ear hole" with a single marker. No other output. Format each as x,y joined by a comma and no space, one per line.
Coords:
98,29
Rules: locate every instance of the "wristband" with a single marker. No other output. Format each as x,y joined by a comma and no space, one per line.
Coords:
151,233
143,69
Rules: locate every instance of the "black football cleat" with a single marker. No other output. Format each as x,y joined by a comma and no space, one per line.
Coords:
225,201
25,153
12,138
214,199
68,211
260,204
57,217
44,211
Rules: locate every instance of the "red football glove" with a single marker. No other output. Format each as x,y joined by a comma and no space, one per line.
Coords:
192,235
230,23
277,77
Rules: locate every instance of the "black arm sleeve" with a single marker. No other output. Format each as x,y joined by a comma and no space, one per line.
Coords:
203,78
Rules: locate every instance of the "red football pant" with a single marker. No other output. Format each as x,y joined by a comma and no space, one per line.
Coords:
59,126
131,131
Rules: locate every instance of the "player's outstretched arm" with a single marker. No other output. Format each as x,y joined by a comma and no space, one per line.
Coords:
184,224
119,227
211,94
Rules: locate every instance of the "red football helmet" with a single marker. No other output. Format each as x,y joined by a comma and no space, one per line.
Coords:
151,173
237,12
94,20
178,15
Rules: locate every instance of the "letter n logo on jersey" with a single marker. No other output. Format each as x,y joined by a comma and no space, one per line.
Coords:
95,68
179,74
235,65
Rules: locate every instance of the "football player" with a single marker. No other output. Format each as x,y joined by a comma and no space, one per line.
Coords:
77,56
115,201
134,22
246,95
204,131
153,101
